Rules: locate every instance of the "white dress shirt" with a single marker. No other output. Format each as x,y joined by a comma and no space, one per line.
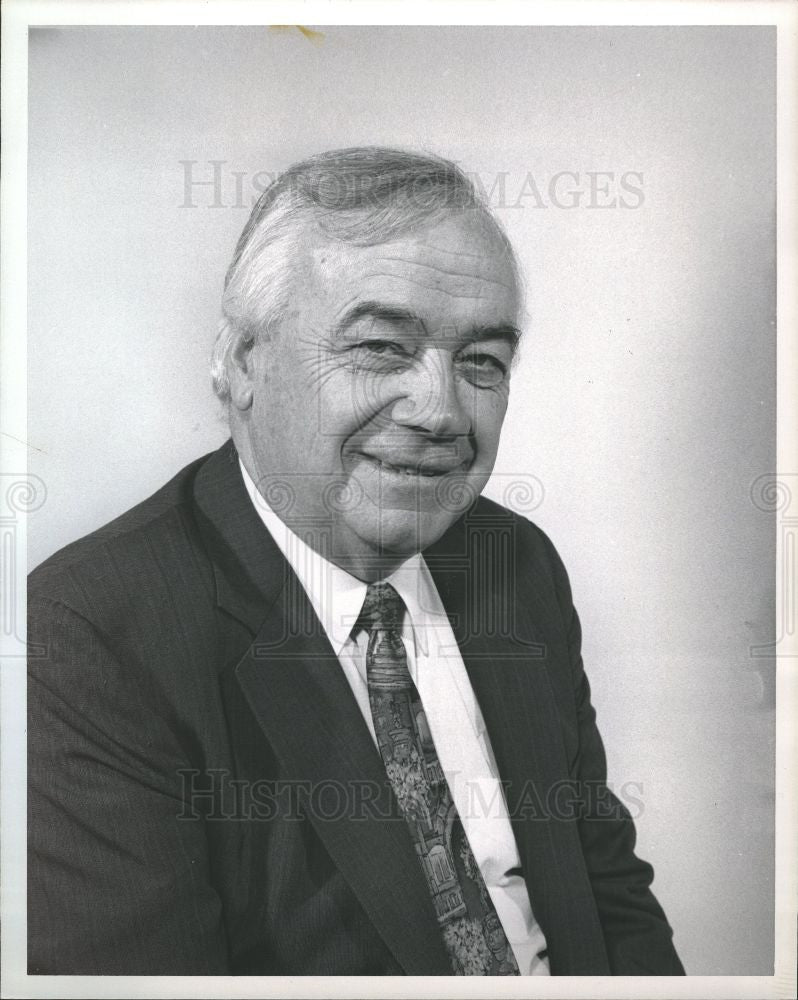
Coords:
452,712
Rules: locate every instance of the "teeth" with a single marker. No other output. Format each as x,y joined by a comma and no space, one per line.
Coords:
404,470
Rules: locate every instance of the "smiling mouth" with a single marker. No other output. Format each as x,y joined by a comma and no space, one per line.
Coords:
413,471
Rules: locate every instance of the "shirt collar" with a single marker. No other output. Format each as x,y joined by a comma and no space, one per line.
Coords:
336,596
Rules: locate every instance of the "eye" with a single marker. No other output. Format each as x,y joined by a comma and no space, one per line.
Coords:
483,370
382,347
380,356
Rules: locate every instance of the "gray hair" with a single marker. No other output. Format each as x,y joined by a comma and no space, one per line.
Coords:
363,196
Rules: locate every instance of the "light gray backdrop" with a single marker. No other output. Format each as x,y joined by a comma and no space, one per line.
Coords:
642,412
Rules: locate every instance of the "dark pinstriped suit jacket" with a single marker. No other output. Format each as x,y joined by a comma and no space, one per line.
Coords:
205,797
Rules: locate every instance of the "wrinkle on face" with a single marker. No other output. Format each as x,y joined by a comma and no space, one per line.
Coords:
440,269
431,285
319,408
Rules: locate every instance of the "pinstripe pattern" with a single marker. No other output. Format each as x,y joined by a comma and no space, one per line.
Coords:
179,692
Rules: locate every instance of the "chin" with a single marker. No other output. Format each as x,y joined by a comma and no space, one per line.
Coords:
405,532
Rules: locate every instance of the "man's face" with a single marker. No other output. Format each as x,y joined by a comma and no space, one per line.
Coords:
379,402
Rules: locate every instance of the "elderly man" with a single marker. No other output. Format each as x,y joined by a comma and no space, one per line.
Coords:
316,707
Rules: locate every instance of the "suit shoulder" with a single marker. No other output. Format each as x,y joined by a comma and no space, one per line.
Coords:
528,532
531,543
152,531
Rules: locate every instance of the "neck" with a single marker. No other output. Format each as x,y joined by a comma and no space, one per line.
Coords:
369,569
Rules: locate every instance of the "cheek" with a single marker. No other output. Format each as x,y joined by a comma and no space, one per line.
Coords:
350,400
488,409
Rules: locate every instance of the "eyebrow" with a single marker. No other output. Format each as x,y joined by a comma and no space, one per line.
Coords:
402,316
377,310
504,331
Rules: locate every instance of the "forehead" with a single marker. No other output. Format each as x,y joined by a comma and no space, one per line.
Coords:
456,272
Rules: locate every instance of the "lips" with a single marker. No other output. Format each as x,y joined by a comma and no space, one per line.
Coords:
426,468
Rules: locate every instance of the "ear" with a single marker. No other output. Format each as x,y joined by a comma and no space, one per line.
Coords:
241,370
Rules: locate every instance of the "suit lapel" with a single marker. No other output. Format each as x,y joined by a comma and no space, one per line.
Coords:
501,621
298,693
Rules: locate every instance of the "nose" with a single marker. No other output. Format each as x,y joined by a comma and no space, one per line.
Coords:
431,401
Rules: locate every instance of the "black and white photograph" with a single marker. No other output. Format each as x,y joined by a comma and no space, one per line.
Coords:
399,504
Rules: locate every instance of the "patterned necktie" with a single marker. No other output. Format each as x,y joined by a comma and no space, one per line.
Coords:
472,932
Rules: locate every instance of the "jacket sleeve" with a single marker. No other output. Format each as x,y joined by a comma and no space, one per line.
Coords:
637,935
118,871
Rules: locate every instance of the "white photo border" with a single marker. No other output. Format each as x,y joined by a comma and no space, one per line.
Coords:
18,15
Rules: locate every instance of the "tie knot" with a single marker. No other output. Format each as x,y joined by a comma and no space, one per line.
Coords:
383,608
